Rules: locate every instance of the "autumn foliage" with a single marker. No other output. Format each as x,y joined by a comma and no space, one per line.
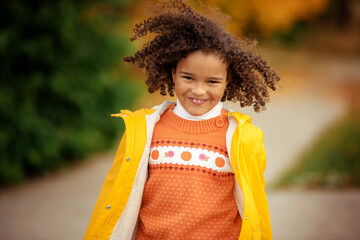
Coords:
263,17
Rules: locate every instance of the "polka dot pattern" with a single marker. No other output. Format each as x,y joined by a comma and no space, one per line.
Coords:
188,205
189,192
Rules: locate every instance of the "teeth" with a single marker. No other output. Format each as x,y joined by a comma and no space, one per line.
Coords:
198,100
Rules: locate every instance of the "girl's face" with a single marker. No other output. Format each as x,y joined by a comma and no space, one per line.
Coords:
200,80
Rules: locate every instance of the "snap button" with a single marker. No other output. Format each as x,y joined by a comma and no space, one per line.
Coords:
235,167
108,207
219,123
128,159
246,218
242,121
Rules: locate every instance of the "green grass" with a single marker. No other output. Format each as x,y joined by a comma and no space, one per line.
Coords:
333,160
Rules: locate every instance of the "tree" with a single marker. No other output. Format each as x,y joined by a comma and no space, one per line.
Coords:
60,78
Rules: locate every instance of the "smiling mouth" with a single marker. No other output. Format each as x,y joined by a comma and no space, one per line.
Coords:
197,101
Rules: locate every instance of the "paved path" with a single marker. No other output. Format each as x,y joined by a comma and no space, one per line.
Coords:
289,125
315,215
59,206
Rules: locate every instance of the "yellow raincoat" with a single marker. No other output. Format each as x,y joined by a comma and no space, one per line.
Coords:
116,212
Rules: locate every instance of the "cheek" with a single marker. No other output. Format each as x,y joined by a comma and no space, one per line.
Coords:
222,90
178,87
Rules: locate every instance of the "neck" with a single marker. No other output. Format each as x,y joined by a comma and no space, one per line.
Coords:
180,111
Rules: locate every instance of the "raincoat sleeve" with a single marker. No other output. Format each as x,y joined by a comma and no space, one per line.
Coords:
258,185
108,183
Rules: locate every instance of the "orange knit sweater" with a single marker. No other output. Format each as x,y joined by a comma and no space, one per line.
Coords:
189,193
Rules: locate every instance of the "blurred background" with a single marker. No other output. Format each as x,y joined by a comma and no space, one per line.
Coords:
62,75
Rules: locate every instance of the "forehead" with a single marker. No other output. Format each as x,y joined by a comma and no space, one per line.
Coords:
199,61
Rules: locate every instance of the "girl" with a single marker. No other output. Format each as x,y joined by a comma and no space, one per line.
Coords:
190,169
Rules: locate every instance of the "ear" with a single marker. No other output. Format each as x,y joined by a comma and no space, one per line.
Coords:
228,78
173,72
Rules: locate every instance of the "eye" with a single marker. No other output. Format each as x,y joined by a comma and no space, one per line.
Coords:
187,77
213,82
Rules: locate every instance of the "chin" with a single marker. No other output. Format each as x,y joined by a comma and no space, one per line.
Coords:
197,112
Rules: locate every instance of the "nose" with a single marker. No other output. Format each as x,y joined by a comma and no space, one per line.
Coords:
198,90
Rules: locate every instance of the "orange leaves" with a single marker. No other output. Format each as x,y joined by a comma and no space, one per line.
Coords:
269,16
264,17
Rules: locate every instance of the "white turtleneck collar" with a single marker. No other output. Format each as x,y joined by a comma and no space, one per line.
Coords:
180,111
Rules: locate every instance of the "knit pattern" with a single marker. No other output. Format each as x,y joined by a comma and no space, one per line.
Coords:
190,157
189,193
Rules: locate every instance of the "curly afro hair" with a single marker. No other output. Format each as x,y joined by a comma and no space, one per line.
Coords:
179,30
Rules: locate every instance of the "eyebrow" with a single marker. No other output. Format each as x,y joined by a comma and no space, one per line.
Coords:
187,73
213,78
